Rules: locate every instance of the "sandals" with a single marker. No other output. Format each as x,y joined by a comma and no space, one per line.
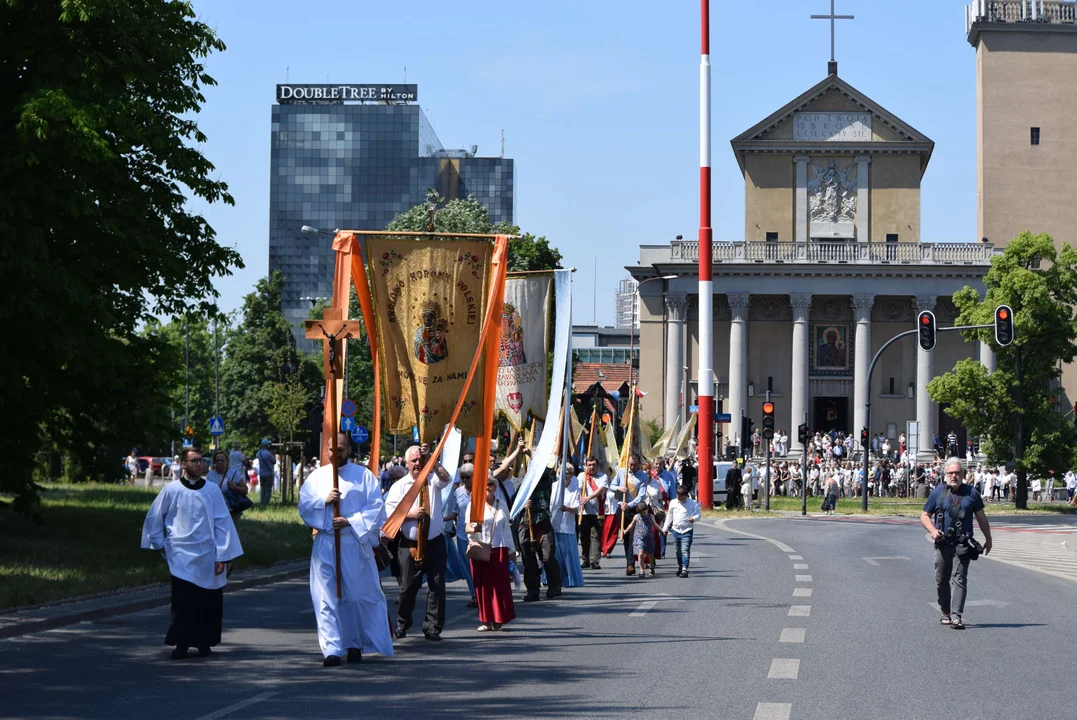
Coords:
945,620
956,624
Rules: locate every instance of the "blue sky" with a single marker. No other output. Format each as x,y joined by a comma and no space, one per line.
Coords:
599,103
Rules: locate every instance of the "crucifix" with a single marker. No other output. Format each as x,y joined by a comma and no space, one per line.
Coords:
334,330
832,17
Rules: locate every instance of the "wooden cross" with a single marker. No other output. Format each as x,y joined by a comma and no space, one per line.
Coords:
334,330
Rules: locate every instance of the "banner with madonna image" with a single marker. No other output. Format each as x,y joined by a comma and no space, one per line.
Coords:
430,298
521,360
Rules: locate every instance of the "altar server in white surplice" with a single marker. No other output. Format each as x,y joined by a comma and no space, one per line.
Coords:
358,622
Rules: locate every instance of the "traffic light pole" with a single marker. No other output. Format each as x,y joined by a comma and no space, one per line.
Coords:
867,402
766,468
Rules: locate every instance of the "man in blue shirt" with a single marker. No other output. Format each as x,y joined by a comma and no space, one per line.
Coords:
951,506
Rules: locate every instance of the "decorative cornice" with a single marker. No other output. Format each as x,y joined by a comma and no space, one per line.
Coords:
800,300
675,304
926,302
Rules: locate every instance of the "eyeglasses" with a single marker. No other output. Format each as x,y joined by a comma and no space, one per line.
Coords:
955,474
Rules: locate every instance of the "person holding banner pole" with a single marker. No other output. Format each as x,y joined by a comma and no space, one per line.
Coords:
564,526
592,510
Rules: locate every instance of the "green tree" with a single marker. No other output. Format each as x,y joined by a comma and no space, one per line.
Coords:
260,355
288,407
1015,407
101,155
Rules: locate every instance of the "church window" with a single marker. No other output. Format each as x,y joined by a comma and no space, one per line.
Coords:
891,386
772,237
891,237
770,383
1034,135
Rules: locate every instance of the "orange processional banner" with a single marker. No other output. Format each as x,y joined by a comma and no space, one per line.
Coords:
430,299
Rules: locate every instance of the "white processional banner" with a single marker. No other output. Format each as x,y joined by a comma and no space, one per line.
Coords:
544,454
521,360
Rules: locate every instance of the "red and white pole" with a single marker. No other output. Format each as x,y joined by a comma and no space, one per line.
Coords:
705,429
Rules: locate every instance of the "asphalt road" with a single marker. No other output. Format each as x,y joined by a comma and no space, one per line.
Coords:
822,619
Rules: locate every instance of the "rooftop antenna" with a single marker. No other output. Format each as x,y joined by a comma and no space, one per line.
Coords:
287,68
502,143
405,72
594,295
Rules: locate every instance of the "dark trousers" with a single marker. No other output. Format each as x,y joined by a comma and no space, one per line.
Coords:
591,549
626,541
196,615
543,548
949,573
411,579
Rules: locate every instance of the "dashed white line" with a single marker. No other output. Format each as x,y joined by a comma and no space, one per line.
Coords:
792,635
800,611
795,557
643,608
773,711
800,566
784,669
801,592
803,578
224,712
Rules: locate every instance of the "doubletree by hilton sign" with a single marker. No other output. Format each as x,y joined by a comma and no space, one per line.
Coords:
346,93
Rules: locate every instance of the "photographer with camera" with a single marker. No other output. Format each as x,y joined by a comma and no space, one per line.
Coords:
947,515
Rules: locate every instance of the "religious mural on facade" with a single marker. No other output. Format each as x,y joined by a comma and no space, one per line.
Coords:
830,349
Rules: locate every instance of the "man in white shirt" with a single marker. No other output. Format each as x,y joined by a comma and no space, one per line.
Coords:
1071,484
356,622
628,488
433,563
681,518
593,484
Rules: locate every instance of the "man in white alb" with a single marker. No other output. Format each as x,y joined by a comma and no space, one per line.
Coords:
357,621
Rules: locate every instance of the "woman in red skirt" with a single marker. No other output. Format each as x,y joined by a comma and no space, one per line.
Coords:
493,586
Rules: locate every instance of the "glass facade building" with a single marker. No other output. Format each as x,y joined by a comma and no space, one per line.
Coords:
357,166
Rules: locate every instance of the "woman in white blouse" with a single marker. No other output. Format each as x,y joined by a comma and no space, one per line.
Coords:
493,587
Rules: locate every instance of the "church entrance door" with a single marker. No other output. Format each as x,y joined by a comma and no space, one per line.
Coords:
831,413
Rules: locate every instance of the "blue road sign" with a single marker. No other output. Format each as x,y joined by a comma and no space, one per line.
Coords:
693,409
415,433
723,417
216,426
347,408
187,442
347,424
360,434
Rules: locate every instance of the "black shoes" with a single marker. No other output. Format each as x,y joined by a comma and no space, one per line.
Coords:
204,651
433,636
355,655
551,594
531,598
584,565
332,661
400,633
682,573
179,653
595,566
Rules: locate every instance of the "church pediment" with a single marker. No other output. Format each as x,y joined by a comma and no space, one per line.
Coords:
833,116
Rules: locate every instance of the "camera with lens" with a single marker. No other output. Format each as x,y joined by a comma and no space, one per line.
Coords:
949,537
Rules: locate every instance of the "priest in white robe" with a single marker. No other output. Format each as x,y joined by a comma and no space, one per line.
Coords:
358,622
189,522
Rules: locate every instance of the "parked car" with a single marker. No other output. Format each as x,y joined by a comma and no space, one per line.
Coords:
721,469
162,466
144,461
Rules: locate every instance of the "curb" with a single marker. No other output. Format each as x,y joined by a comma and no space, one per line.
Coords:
274,574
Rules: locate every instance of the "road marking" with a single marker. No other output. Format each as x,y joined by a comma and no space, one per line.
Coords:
803,578
223,712
974,603
795,557
800,611
783,669
643,608
773,711
801,592
776,543
800,566
792,635
874,560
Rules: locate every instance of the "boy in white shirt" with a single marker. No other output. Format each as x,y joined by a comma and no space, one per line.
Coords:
682,515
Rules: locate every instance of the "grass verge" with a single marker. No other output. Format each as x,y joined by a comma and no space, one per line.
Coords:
900,507
89,543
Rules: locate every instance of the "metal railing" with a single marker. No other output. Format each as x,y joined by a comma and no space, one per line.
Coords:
1017,11
687,251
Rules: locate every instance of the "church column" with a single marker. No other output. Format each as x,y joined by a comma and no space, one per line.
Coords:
798,398
862,359
675,309
926,411
738,359
800,216
987,356
863,200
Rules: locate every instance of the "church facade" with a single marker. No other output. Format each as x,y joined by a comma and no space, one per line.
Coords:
831,267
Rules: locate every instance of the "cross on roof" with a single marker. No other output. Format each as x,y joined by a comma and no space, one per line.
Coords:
832,17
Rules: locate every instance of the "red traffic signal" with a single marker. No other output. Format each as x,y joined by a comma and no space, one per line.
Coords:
925,323
1003,325
768,419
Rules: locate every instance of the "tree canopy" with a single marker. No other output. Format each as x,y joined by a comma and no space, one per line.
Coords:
1016,408
101,156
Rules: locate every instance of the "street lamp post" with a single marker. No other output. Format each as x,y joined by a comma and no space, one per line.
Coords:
632,327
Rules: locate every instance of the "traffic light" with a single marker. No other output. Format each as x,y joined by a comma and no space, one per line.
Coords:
768,420
802,434
1003,325
926,324
746,424
864,437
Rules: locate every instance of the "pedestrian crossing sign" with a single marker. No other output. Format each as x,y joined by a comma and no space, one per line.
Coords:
216,426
